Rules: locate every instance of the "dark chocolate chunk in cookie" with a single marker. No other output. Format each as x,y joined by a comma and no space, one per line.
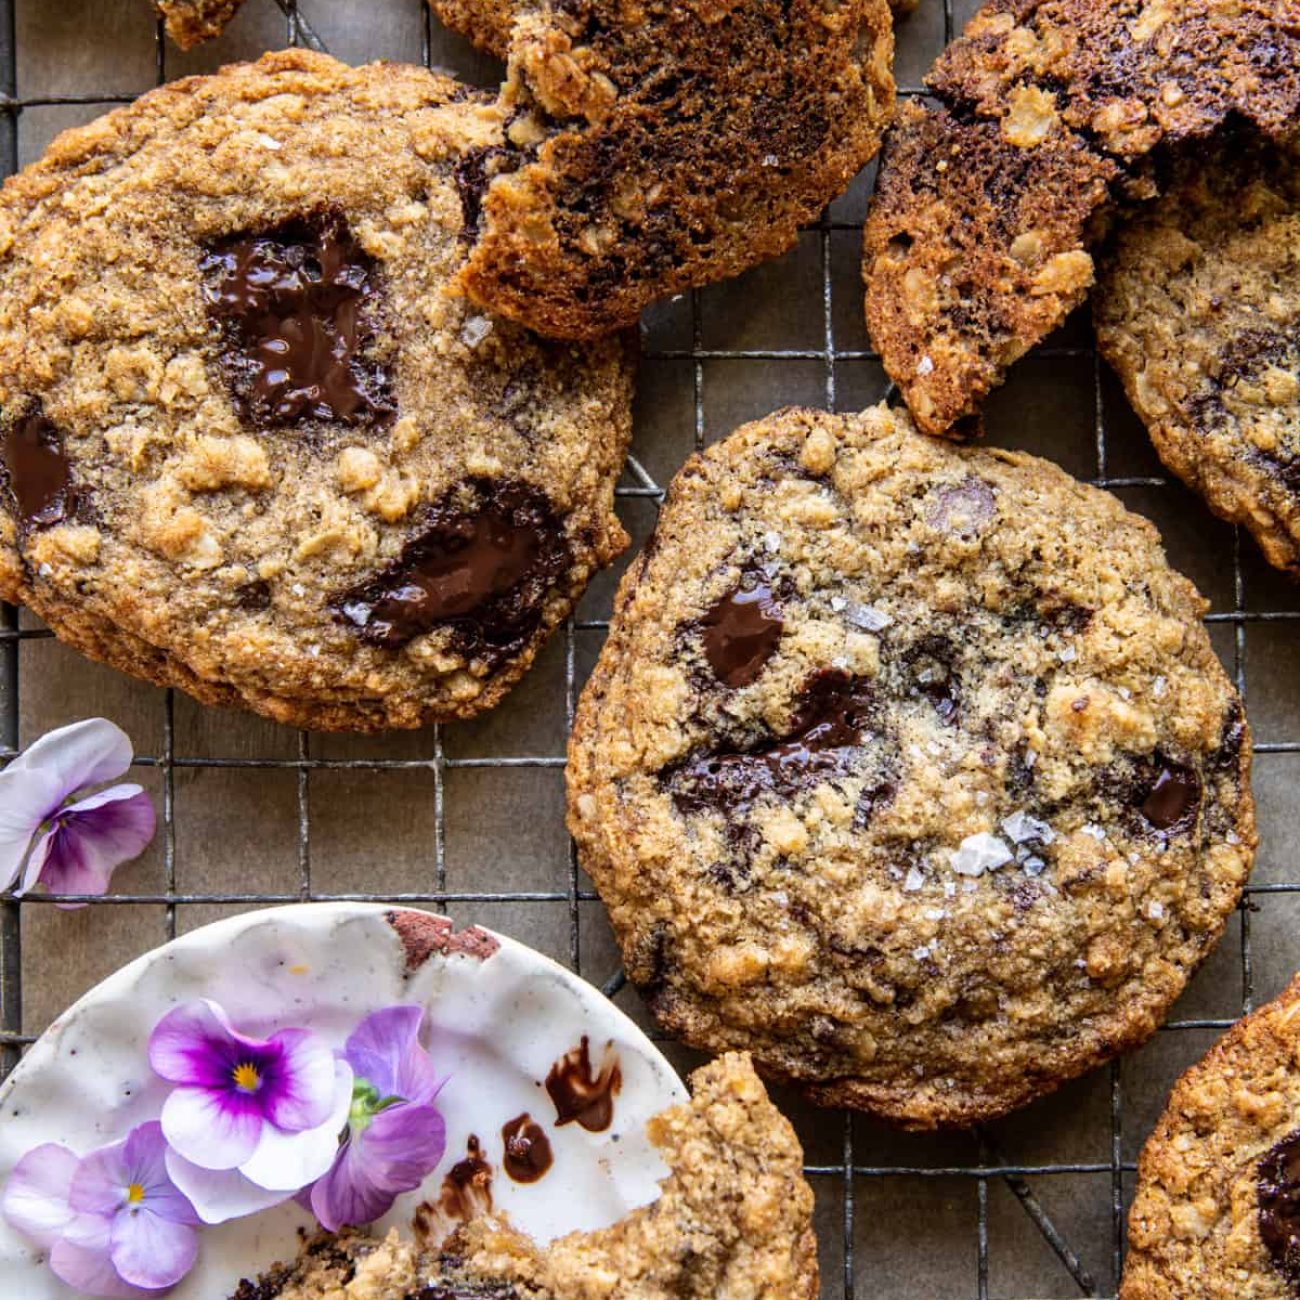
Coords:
832,719
298,308
742,631
482,567
1173,798
1278,1192
37,472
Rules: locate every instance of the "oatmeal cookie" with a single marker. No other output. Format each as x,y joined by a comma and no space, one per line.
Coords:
252,445
1047,113
734,1219
1217,1210
1198,309
659,146
191,21
909,768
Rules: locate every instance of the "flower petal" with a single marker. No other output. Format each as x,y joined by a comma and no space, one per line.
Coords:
27,798
146,1163
84,753
100,1183
219,1194
90,840
288,1161
385,1048
212,1129
151,1251
35,1199
183,1045
81,1259
395,1154
303,1094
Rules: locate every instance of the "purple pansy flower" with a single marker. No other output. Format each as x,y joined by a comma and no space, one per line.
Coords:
113,1222
395,1137
83,841
251,1120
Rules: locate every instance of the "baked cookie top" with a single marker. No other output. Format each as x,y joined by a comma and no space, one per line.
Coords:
988,200
252,443
1198,309
191,21
654,147
908,768
734,1219
1217,1210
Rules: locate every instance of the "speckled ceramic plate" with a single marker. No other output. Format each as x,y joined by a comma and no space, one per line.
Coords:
501,1015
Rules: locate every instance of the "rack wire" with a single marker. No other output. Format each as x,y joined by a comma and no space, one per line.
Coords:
839,1181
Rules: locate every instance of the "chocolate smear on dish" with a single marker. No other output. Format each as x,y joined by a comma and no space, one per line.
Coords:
584,1095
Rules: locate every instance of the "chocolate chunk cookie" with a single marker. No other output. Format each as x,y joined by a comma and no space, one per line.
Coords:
1047,114
654,147
1217,1210
1198,309
191,21
252,445
908,768
734,1219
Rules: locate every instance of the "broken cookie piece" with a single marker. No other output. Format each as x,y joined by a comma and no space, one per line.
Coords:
1047,115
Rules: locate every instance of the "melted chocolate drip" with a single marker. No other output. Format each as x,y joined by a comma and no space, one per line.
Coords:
1173,799
527,1149
581,1094
467,1186
298,306
483,569
38,473
741,632
1277,1188
824,740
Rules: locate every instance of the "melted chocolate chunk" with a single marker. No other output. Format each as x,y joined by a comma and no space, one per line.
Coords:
824,740
741,632
1173,798
582,1095
482,563
298,307
527,1149
1277,1187
38,473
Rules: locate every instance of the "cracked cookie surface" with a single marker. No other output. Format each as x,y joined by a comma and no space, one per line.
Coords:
1198,309
733,1219
1216,1215
990,198
253,446
908,768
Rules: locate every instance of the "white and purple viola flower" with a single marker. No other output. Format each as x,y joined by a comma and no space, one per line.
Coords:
251,1121
113,1222
47,834
395,1137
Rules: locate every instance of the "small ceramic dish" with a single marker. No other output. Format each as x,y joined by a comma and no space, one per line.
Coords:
500,1016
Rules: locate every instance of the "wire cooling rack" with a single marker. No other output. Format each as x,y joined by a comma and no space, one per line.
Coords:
1033,1205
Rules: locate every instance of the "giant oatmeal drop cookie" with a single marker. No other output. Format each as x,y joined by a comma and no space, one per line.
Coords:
1217,1210
1047,114
1199,311
251,444
908,768
733,1221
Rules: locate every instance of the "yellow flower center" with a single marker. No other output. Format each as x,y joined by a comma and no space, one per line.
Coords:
134,1194
246,1077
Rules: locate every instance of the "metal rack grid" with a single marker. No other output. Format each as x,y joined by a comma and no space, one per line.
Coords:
989,1167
